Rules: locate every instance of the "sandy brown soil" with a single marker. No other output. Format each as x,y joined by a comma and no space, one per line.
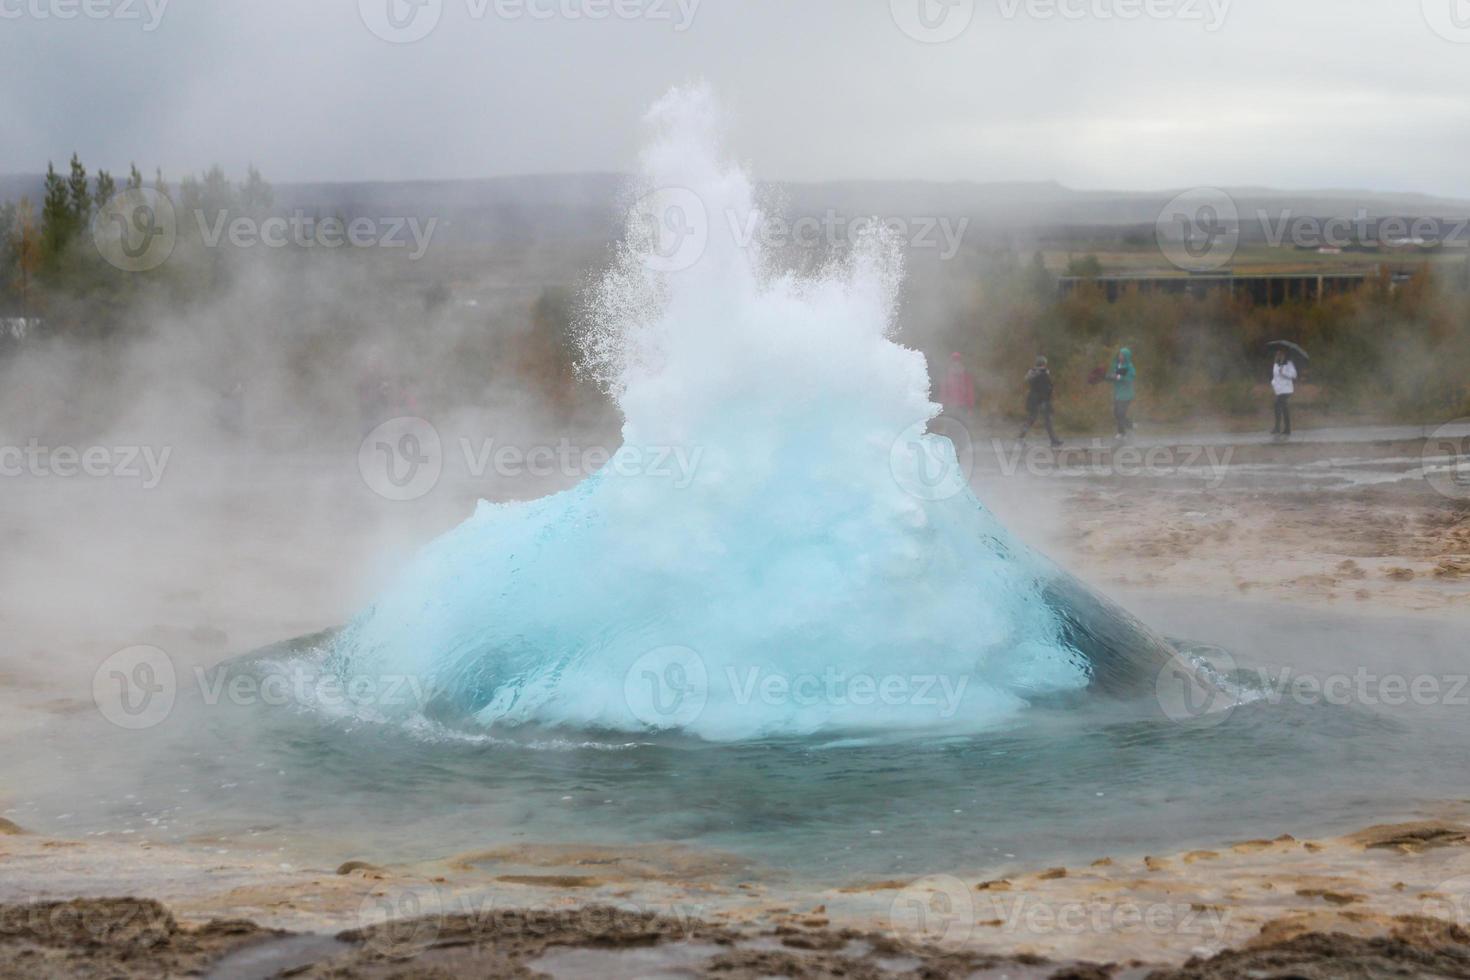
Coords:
1397,546
1391,900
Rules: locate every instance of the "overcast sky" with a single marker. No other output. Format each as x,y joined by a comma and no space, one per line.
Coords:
1125,94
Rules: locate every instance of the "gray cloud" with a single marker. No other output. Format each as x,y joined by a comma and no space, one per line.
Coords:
1093,93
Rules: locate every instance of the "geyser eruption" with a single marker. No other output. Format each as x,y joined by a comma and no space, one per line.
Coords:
769,553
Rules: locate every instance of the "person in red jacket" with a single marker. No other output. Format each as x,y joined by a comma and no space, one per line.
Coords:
957,390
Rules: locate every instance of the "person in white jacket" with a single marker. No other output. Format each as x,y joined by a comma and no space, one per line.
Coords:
1283,383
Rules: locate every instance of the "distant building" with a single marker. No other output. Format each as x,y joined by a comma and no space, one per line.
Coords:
1263,290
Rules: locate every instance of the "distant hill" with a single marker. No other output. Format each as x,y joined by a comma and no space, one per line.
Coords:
538,208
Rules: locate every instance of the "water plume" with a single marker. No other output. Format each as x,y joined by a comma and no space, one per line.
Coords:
778,548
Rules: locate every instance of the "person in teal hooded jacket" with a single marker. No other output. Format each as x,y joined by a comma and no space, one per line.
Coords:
1123,377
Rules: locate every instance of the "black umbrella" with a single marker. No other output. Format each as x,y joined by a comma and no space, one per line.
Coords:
1290,348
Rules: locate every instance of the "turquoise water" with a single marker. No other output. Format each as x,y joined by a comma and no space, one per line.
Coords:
1059,784
806,644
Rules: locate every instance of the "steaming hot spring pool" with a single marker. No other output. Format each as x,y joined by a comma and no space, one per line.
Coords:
1050,786
889,682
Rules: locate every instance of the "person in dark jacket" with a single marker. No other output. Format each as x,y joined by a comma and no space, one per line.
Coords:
1039,390
1123,377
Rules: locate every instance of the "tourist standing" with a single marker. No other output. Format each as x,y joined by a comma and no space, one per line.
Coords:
1039,389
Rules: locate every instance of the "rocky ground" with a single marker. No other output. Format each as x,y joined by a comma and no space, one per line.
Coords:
1328,526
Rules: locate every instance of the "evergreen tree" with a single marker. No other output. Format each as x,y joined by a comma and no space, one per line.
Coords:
8,242
256,195
57,219
135,179
80,192
27,247
106,189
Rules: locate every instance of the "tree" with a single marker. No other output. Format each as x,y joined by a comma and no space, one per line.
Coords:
1040,279
135,179
57,219
79,190
26,245
106,189
1087,267
256,195
7,234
